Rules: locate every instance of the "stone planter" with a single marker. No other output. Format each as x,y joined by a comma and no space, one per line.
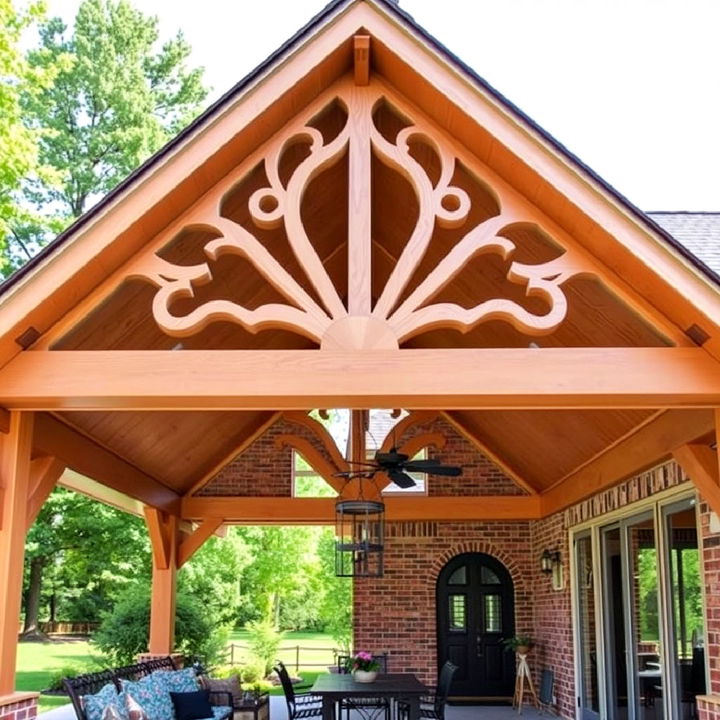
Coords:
364,676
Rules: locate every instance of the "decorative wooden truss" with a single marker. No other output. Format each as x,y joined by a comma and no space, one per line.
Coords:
325,458
366,317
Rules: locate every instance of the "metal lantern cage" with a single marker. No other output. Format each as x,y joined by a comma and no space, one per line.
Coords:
360,543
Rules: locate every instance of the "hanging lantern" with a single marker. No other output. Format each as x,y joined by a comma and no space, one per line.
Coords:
360,533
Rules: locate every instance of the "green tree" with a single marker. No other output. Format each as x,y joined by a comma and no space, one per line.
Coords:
80,555
116,98
125,630
18,143
212,576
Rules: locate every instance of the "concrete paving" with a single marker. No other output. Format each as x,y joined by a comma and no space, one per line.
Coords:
278,711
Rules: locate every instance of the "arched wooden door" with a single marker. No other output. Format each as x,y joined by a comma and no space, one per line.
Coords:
476,612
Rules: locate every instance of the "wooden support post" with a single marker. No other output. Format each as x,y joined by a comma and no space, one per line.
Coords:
15,450
164,536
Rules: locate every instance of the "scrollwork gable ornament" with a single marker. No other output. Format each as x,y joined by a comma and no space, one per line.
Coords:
400,312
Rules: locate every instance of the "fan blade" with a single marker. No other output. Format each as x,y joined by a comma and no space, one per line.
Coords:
401,479
432,468
356,473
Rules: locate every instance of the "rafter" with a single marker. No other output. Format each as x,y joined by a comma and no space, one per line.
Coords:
700,462
54,437
321,511
296,379
650,444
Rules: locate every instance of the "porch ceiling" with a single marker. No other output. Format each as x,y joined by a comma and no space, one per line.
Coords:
308,213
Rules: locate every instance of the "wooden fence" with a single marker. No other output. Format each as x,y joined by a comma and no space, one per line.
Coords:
66,628
291,655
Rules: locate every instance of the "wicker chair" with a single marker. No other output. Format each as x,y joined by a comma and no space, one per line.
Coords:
299,705
433,706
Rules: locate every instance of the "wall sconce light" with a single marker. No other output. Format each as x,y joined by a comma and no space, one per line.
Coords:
550,564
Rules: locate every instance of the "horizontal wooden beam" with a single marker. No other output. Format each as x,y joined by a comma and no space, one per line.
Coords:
651,444
53,437
298,379
321,511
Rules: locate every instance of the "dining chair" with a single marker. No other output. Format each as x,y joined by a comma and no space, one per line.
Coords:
299,705
433,706
368,708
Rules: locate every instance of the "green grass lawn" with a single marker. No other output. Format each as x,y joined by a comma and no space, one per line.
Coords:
37,663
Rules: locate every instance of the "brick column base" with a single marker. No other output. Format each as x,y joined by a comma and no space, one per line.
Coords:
178,659
18,706
708,707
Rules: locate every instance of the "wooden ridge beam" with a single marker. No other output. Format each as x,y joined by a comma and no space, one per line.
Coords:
54,437
298,379
321,511
651,444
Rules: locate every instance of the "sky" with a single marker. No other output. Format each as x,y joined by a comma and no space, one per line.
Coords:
632,87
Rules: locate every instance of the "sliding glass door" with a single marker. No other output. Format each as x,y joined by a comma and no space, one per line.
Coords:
639,615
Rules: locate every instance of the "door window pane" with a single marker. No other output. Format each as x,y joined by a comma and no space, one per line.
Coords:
488,577
493,614
459,577
457,608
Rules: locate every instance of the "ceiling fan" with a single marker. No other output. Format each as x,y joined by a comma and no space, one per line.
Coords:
397,465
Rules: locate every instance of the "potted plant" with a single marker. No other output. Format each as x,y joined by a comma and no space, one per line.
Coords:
363,667
521,644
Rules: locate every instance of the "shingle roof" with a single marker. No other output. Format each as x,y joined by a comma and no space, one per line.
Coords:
699,232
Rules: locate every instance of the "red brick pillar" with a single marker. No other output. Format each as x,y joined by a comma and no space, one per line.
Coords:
178,659
18,706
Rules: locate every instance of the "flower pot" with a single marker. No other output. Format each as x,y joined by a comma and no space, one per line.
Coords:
364,676
522,649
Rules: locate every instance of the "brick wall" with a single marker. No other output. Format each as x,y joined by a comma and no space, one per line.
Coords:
396,613
480,475
20,706
263,468
711,567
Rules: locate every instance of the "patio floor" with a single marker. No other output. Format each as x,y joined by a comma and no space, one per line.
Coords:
278,711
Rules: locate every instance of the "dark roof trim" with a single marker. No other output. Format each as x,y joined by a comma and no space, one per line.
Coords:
393,8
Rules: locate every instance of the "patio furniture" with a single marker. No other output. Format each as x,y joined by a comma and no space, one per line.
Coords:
371,707
402,687
91,693
433,705
299,705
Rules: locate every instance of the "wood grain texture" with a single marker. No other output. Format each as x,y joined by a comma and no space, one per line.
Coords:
546,378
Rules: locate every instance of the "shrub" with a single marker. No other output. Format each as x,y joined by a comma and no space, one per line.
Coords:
124,632
264,641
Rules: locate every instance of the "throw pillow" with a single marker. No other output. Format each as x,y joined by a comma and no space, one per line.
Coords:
94,705
111,712
133,708
192,705
228,685
184,680
151,696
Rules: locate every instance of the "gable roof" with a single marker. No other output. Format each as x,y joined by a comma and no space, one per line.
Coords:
690,244
474,125
699,232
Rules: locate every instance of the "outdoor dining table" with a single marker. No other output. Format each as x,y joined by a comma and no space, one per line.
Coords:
334,687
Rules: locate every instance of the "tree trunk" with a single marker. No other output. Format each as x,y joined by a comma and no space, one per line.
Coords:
31,629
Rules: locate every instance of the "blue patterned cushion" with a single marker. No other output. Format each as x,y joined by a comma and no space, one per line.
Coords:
177,681
95,705
221,711
152,696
